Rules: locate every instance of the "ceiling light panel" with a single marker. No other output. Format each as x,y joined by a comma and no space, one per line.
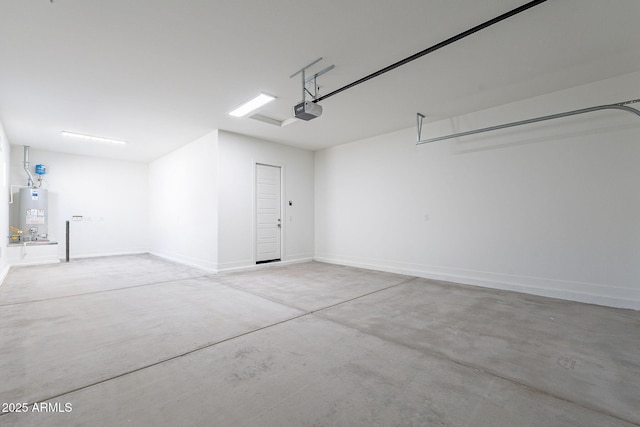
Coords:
92,138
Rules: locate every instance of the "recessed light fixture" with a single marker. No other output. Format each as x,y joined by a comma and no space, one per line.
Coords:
251,105
92,138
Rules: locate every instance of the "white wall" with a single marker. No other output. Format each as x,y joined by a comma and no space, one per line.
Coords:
111,195
238,156
551,209
183,204
5,160
202,201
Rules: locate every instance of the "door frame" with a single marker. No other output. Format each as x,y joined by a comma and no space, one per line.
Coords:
283,222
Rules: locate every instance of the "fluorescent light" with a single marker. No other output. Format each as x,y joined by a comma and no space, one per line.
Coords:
92,138
249,106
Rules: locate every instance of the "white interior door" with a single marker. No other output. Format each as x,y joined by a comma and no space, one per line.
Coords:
268,218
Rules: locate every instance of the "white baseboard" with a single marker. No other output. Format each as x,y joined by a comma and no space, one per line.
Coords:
104,254
562,289
201,264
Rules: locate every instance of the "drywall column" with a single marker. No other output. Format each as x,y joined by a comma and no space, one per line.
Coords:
183,203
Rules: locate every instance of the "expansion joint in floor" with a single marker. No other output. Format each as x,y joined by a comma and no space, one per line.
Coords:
161,282
213,344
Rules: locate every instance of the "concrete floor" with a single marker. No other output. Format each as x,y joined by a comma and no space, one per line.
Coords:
141,341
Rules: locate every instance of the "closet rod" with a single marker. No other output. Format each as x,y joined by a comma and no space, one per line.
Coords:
620,106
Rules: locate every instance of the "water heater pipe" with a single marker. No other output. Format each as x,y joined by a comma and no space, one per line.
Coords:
11,191
32,182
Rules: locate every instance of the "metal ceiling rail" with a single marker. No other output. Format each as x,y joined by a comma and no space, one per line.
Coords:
433,48
619,106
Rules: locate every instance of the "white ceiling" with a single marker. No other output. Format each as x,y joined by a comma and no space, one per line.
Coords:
162,73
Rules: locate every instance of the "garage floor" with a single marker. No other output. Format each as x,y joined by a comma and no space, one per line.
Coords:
141,341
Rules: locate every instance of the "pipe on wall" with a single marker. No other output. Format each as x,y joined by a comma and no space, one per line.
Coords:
67,240
31,182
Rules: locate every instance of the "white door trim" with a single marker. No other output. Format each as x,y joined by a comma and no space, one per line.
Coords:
282,208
